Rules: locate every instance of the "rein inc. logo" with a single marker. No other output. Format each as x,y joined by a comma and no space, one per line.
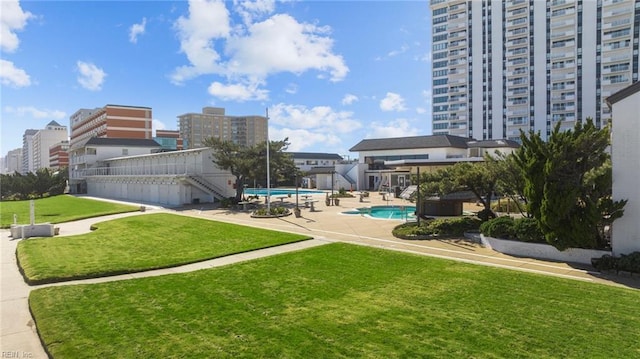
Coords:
16,354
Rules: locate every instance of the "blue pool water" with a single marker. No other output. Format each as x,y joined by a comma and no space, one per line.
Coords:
386,212
278,191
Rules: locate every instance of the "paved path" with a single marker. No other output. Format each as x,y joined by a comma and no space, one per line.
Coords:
18,336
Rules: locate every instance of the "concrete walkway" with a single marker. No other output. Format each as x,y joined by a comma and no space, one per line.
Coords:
18,335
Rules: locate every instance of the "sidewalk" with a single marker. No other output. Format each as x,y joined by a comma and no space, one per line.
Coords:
19,339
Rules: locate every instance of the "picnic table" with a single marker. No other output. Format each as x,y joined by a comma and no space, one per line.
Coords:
309,203
281,198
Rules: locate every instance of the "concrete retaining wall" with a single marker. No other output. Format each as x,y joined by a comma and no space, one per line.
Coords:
542,251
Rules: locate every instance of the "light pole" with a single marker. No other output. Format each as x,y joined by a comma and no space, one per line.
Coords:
268,170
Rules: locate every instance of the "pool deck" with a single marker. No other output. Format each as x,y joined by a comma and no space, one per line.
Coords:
328,223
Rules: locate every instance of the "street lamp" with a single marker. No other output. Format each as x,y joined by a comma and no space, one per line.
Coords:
268,170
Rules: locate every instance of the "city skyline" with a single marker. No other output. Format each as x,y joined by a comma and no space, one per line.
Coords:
329,73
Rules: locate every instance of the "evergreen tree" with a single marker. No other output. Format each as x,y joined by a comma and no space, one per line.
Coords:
568,185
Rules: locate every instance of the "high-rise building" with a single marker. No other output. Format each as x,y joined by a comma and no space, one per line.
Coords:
59,155
43,139
195,128
503,66
27,151
12,162
110,121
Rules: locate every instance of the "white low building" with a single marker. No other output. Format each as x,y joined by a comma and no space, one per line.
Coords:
625,160
133,170
389,163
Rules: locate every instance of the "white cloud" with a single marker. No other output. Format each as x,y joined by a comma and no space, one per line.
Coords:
401,50
392,102
208,20
158,125
348,99
238,92
319,117
421,110
12,19
252,51
311,127
300,139
249,10
91,77
137,29
10,75
396,128
282,44
291,88
30,111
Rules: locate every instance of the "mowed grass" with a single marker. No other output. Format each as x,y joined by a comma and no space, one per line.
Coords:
138,243
58,209
341,301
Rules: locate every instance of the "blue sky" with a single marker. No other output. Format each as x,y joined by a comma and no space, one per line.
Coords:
331,73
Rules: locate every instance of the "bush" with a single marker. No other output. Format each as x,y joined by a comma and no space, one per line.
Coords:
273,211
527,230
500,227
444,227
628,263
453,226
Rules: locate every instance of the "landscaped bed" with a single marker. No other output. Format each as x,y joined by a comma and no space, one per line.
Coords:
341,300
140,243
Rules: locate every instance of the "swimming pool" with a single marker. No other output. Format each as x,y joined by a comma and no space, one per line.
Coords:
385,212
278,191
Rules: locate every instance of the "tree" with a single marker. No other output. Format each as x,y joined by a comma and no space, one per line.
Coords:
44,182
568,185
479,178
250,162
510,182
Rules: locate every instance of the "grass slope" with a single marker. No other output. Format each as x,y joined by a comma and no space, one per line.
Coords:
58,209
139,243
341,301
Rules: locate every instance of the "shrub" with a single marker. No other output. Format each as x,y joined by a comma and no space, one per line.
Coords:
443,227
453,226
629,262
527,230
273,211
500,227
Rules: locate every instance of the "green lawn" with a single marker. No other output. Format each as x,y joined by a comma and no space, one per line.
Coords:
140,243
341,301
58,209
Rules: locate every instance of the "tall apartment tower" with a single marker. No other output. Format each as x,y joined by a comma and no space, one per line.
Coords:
504,66
27,151
110,121
212,122
52,134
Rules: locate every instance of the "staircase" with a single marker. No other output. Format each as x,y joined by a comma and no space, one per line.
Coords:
205,185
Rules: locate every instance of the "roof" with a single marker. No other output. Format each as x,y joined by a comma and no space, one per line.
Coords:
624,93
397,143
316,155
54,123
493,143
128,142
321,170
